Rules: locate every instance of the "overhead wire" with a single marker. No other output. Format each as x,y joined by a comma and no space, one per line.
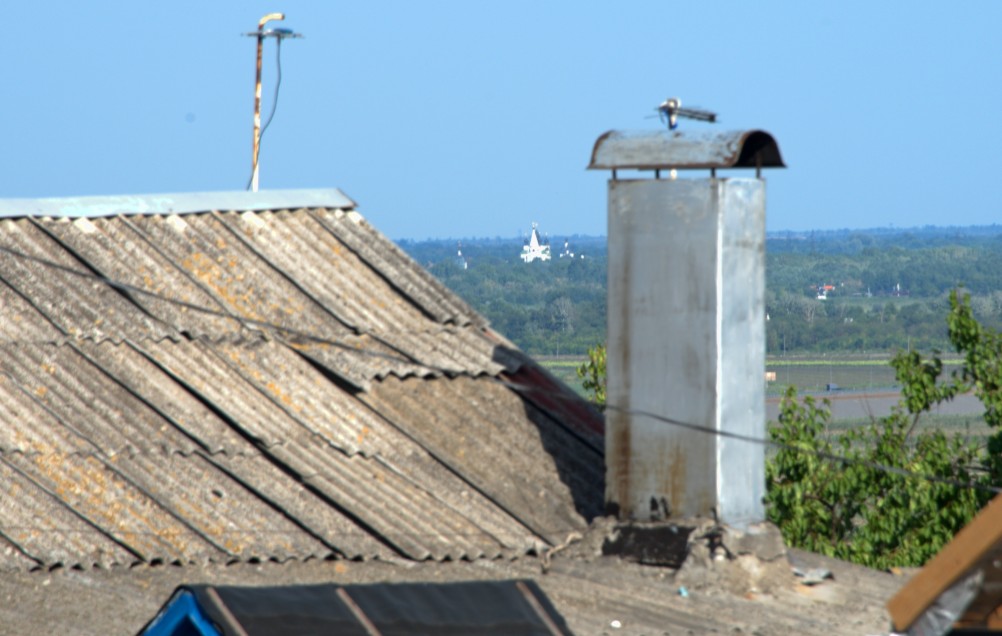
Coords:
278,85
515,386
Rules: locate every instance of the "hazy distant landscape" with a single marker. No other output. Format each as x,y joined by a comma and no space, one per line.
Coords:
882,289
838,302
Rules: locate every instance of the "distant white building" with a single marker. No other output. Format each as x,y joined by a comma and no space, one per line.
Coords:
534,248
568,253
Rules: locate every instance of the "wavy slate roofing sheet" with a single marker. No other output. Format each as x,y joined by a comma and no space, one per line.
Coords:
404,496
253,414
158,391
305,395
79,305
106,500
385,499
89,402
295,244
21,322
399,269
249,288
116,249
42,431
284,272
47,532
302,505
274,425
481,430
219,510
12,558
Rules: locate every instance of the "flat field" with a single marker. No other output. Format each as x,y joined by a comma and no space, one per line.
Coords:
810,374
815,374
854,375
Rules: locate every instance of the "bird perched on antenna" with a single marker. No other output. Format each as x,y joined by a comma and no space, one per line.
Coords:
671,109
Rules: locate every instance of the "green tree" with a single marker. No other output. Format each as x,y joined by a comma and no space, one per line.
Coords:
592,374
896,495
867,507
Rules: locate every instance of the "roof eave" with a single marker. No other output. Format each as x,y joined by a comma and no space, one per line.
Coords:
176,203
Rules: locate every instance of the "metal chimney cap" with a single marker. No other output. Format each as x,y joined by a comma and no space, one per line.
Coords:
666,149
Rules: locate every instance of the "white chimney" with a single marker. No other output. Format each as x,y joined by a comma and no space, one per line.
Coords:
686,326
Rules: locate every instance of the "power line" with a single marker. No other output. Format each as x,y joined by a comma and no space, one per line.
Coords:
278,85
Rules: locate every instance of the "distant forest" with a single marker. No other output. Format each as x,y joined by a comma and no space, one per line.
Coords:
546,308
837,291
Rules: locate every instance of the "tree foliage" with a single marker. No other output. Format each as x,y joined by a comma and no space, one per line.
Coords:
857,509
592,374
899,494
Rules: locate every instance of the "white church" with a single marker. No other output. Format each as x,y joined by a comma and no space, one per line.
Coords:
535,249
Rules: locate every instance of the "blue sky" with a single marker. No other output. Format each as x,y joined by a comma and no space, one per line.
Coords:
459,119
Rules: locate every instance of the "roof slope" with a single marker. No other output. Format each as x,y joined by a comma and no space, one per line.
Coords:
222,386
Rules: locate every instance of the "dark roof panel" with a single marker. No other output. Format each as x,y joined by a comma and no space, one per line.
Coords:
518,608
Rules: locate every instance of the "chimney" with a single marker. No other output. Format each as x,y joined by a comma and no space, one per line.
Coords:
686,325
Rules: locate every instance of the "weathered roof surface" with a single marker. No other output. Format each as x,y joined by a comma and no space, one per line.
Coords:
595,596
239,383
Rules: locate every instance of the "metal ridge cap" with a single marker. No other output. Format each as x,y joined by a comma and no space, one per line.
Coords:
176,203
653,149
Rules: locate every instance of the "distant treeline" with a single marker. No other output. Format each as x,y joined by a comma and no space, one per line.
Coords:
546,308
882,289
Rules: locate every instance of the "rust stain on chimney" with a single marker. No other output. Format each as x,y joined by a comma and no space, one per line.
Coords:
618,504
674,485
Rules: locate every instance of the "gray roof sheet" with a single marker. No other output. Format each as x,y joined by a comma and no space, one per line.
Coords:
80,397
396,267
63,290
278,384
481,429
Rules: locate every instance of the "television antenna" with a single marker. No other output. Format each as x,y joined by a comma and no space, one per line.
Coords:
261,34
671,109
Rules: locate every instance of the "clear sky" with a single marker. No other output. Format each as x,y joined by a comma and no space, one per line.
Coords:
460,119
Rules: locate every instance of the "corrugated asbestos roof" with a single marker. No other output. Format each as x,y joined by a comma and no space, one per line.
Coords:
240,384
